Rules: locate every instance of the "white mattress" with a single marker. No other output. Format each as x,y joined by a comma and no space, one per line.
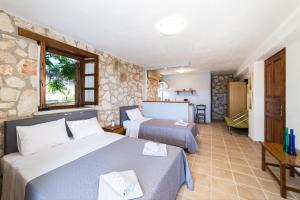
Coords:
133,127
18,170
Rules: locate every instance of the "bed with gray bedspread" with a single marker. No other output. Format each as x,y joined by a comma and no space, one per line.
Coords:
164,131
160,177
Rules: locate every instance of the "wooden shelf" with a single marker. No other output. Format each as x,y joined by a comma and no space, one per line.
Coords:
185,91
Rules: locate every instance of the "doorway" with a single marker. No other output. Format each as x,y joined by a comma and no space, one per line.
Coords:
275,70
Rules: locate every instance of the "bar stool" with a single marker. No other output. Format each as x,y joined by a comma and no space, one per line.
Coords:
200,113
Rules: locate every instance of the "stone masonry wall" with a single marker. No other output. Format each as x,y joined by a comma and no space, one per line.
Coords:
219,83
120,83
152,89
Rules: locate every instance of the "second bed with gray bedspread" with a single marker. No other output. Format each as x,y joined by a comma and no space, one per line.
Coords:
164,131
159,177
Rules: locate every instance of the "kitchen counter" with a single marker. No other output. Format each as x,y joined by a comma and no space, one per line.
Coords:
172,110
167,101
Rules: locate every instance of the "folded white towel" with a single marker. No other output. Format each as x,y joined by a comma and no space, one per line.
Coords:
181,123
155,149
119,186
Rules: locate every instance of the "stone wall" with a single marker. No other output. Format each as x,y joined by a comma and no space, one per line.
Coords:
152,89
219,83
120,83
153,77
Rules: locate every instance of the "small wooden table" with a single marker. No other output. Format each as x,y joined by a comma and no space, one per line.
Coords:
285,160
116,129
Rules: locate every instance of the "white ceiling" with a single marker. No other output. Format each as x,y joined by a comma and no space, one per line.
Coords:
219,34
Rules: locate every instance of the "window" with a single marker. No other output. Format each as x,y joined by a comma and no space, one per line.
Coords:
162,87
60,79
68,75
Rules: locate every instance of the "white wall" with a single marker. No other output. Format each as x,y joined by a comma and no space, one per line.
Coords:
286,35
256,114
293,88
200,81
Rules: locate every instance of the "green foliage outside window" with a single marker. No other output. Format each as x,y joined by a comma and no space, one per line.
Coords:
60,70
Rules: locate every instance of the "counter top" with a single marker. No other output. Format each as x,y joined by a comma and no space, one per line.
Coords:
153,101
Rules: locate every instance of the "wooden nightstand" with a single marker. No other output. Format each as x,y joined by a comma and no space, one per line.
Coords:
116,129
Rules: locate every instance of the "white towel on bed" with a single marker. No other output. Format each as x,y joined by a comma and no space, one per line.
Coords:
155,149
181,123
119,186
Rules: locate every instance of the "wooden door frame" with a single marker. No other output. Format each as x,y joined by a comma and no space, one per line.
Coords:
283,101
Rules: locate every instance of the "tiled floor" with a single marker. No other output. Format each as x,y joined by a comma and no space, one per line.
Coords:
228,167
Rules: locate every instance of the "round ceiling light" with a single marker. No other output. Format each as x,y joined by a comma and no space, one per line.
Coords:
171,25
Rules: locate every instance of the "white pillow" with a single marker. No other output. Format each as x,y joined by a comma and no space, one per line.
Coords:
83,128
31,139
134,114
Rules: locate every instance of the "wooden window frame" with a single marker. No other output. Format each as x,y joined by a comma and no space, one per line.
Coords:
53,46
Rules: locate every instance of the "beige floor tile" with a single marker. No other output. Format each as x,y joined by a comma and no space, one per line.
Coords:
202,193
229,167
217,195
204,153
181,190
179,197
255,164
239,161
220,154
270,186
248,151
217,140
204,147
224,186
234,151
201,179
251,160
253,156
236,156
221,173
220,164
293,181
262,174
202,159
246,180
241,169
231,146
201,167
231,149
272,196
296,195
220,157
220,145
250,193
218,148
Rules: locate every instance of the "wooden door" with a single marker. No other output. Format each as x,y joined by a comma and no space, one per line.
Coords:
275,97
237,98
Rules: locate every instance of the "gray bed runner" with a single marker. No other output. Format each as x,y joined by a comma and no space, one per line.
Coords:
164,131
159,177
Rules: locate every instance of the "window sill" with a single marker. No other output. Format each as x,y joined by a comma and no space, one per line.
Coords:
47,112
